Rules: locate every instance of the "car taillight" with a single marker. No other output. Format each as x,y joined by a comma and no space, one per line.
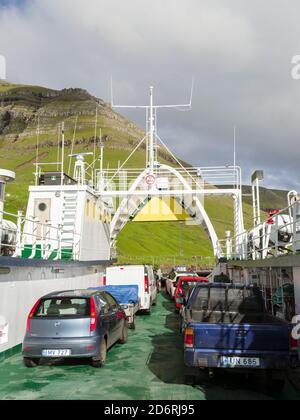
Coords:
104,280
93,315
180,291
31,314
294,345
146,284
189,338
121,315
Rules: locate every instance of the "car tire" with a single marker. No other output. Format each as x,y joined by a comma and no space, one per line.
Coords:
132,325
100,361
124,337
148,311
190,376
181,329
274,383
31,363
277,386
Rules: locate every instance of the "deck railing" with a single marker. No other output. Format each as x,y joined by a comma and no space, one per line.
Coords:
32,239
277,236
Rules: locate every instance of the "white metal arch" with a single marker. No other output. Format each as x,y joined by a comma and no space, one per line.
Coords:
131,203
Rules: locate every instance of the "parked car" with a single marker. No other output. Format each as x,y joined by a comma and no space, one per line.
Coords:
172,281
184,285
158,283
74,324
140,275
227,327
158,277
127,297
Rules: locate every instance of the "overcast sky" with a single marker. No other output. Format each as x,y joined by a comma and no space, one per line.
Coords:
238,51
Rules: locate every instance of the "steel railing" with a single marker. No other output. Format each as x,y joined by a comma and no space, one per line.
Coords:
279,235
31,235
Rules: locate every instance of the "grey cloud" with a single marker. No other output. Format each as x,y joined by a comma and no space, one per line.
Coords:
238,51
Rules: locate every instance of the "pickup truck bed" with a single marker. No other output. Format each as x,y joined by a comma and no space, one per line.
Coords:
217,317
247,338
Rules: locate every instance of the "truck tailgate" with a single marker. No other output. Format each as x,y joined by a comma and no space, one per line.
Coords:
241,337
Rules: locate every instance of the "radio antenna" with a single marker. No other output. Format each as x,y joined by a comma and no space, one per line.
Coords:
151,110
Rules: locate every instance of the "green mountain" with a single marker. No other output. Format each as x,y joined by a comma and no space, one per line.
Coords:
24,108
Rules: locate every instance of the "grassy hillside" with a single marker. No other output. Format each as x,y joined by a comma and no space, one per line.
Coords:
270,199
22,107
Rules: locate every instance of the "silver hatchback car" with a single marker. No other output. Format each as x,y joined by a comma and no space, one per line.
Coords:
74,324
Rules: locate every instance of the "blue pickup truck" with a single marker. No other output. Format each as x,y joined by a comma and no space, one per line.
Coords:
227,327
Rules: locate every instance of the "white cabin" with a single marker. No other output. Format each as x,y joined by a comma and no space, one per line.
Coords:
66,222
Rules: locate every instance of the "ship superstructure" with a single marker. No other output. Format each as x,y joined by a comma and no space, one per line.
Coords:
61,243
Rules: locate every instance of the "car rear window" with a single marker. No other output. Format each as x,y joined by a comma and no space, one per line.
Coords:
185,285
63,307
228,300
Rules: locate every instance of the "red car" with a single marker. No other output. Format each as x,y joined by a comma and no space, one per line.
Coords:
183,286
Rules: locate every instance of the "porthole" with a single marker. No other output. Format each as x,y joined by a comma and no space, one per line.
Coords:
42,207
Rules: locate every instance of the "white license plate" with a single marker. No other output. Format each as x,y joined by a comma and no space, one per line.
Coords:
56,353
243,362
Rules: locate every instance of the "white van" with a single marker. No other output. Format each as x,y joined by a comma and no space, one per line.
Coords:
140,275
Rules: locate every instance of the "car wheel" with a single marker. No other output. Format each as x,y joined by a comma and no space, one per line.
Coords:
100,361
31,363
148,311
190,376
132,325
124,337
277,386
181,329
274,382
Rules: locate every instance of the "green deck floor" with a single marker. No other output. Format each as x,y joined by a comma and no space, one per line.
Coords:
149,366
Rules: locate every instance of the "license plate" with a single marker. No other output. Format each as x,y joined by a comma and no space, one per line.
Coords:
242,362
56,353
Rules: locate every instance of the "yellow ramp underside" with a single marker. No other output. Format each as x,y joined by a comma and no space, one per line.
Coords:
162,210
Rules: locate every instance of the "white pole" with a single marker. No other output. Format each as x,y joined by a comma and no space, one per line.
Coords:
63,152
37,151
95,142
2,197
234,146
254,205
151,145
101,183
258,202
234,151
58,146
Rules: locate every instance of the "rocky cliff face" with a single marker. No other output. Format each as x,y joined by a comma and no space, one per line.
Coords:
21,108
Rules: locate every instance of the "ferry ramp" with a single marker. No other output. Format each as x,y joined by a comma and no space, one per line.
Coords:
149,366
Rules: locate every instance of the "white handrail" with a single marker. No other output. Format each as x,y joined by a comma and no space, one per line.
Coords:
42,234
274,237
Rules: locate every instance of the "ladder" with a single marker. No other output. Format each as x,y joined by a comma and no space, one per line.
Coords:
69,213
